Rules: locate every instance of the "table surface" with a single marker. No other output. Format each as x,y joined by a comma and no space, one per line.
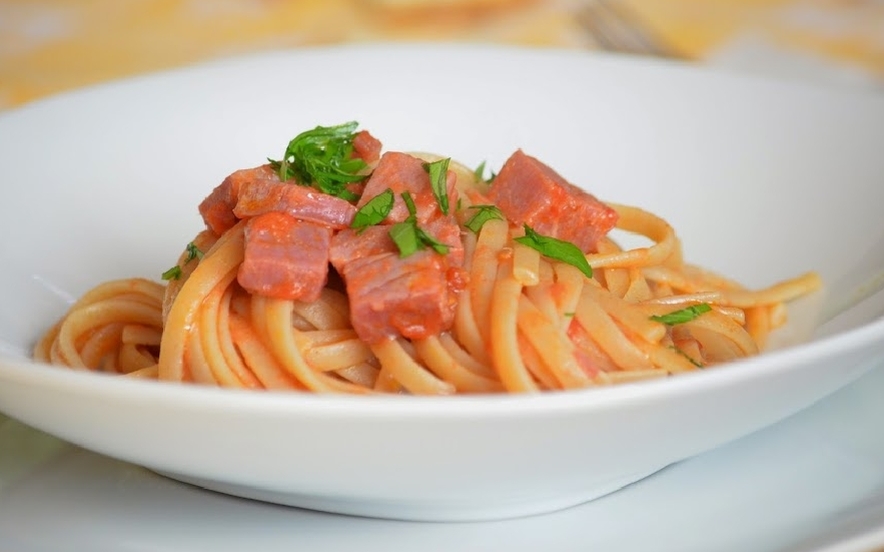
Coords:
50,46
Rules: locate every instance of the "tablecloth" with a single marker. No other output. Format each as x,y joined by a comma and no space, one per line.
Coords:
50,46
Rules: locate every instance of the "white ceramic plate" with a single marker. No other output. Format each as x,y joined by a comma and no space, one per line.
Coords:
762,180
813,482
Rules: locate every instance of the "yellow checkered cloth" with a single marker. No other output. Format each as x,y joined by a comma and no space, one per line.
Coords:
49,46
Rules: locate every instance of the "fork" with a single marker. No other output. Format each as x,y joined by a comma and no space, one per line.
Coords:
613,26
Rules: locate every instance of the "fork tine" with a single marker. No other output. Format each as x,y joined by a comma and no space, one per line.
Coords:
617,28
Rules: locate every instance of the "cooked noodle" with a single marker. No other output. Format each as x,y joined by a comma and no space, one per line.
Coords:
524,322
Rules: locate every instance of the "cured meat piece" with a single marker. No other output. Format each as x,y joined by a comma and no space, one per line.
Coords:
350,245
402,172
391,296
285,258
217,208
529,192
303,202
366,147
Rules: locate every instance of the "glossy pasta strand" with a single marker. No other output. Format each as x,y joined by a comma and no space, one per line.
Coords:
524,322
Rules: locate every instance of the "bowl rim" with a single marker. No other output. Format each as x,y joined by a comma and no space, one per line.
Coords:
447,407
790,358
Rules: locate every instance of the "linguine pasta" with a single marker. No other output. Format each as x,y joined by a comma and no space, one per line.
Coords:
523,321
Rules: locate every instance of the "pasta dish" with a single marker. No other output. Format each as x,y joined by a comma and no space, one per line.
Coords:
344,268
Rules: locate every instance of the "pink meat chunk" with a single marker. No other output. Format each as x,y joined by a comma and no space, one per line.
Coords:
285,258
350,245
390,296
366,147
217,208
257,197
529,192
401,172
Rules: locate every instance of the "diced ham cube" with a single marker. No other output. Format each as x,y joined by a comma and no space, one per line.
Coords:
285,258
446,230
217,208
529,192
303,202
391,296
350,245
402,172
366,147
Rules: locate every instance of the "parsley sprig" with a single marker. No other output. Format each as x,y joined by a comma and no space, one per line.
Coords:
323,158
557,249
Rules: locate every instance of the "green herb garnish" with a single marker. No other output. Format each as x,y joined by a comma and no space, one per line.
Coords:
438,171
172,274
484,213
193,252
479,173
404,235
409,237
374,211
682,315
553,248
687,356
323,157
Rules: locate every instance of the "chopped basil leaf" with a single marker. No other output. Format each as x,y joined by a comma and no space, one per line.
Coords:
553,248
409,204
323,157
408,237
484,213
480,174
682,315
374,211
430,241
438,181
172,274
687,356
193,252
404,235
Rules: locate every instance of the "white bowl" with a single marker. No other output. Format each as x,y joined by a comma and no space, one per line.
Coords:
763,180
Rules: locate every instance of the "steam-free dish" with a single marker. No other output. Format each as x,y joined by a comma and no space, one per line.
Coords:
762,181
341,267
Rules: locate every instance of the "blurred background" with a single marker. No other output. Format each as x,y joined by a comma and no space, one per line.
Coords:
50,46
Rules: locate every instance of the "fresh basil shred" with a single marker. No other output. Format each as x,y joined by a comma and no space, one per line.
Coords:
409,237
323,157
438,171
483,214
173,273
687,356
374,211
193,252
681,316
557,249
479,173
